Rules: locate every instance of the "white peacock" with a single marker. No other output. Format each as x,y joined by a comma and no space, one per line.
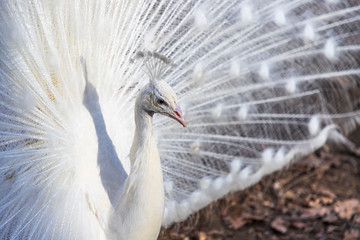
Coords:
260,83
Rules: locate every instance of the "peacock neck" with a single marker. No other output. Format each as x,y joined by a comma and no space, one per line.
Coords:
143,136
141,204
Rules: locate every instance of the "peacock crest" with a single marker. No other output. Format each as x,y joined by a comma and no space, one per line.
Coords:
154,64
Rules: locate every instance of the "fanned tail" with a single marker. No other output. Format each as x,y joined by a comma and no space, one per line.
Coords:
261,82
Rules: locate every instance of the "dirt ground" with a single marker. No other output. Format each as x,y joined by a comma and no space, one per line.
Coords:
315,198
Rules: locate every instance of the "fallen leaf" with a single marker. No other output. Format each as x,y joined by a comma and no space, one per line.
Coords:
326,200
322,197
312,201
234,218
298,225
316,212
279,225
330,218
346,209
352,234
235,223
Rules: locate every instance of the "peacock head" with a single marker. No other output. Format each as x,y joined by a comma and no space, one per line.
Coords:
161,98
158,96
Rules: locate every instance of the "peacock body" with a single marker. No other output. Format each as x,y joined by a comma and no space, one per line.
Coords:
260,83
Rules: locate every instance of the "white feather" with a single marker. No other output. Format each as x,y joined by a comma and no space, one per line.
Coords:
263,82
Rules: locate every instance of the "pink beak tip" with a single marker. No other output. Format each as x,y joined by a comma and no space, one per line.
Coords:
179,116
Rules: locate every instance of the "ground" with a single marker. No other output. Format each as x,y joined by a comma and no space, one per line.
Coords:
315,198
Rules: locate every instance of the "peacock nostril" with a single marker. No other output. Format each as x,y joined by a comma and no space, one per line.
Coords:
178,115
178,112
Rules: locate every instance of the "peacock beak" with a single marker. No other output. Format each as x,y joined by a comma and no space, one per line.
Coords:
178,116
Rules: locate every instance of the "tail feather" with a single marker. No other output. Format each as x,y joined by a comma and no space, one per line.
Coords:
261,83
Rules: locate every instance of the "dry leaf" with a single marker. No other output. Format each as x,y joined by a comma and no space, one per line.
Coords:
330,218
234,218
312,201
279,225
352,234
235,223
298,225
316,212
326,200
346,209
331,229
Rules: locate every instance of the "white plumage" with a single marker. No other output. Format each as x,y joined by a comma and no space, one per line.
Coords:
261,83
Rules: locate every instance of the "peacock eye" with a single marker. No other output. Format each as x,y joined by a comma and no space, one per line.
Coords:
159,101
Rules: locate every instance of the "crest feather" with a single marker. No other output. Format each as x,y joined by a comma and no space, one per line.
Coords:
155,64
